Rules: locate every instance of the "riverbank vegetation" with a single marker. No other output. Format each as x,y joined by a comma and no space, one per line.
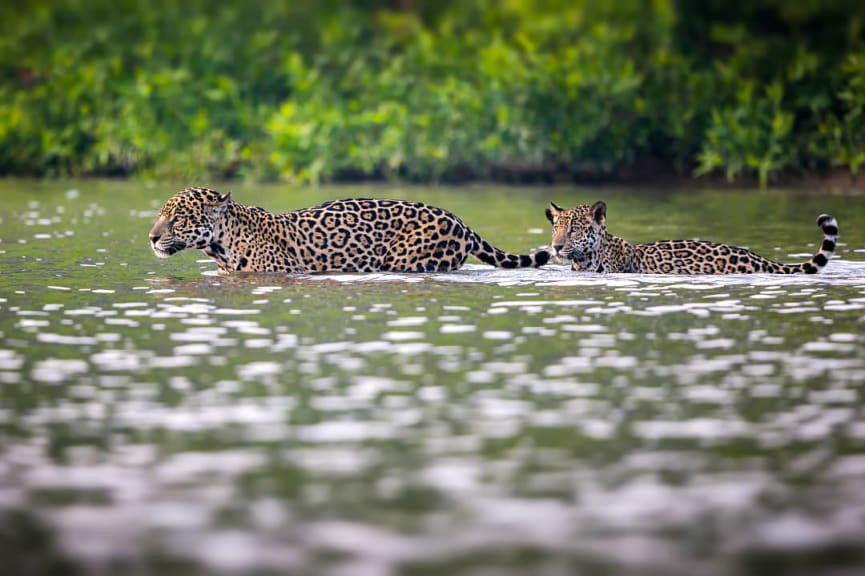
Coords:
430,91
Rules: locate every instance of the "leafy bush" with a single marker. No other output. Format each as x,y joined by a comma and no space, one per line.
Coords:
310,91
752,135
840,134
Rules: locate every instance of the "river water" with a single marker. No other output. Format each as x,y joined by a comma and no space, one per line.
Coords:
158,418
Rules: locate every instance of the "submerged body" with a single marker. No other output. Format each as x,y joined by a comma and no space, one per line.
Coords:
580,236
357,235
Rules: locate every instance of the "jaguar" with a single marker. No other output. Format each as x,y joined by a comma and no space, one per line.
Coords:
353,235
580,236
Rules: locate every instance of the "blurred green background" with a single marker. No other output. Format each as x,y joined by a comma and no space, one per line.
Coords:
314,90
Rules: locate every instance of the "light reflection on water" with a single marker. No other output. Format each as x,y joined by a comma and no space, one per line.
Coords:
482,421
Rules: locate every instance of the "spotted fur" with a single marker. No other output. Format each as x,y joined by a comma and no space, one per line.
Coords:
357,235
580,236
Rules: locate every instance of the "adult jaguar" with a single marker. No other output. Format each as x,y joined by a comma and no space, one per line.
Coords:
357,235
580,236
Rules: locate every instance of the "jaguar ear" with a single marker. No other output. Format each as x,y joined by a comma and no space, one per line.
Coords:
599,212
221,203
553,212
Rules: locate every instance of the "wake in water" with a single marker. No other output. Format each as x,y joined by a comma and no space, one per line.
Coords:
841,272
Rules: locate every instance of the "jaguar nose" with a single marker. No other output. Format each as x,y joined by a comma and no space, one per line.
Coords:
556,248
154,238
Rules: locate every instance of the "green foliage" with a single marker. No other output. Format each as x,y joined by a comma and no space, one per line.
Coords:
321,90
753,134
418,102
841,132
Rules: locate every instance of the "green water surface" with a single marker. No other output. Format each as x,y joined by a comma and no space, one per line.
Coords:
158,418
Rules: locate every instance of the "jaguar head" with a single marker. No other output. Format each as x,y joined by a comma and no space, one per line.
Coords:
187,221
578,231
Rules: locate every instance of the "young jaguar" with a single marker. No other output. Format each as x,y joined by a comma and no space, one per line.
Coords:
359,235
580,235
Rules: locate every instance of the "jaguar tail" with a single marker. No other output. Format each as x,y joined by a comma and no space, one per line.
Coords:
489,254
829,226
